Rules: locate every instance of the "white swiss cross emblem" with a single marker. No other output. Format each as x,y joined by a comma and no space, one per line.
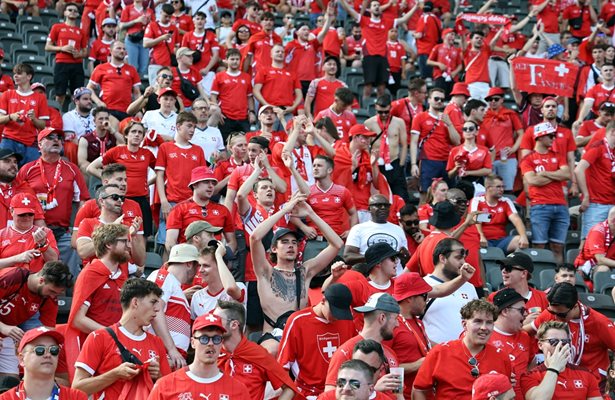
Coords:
247,369
561,70
211,317
26,201
131,214
34,308
224,397
327,344
193,157
216,212
578,384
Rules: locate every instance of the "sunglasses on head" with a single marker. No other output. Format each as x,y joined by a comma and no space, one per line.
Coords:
204,339
114,196
40,351
554,342
475,372
354,384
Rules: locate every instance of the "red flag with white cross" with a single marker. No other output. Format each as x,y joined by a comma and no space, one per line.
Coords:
538,75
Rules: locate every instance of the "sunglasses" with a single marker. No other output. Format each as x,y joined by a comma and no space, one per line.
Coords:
495,99
561,315
243,31
521,310
510,268
554,342
166,76
354,384
114,197
468,128
204,339
383,112
475,372
411,222
438,99
380,205
40,351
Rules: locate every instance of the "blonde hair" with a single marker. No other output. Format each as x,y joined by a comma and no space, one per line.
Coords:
105,235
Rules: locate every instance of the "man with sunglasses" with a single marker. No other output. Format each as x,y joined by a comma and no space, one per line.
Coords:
592,334
558,378
594,174
504,133
38,356
102,371
452,367
409,222
245,360
543,172
563,144
599,93
202,378
110,201
508,334
433,137
354,381
28,297
517,270
391,145
58,184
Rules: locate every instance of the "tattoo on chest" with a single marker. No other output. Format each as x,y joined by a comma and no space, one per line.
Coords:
283,284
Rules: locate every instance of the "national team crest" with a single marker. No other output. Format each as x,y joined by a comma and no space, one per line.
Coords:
247,369
327,344
578,384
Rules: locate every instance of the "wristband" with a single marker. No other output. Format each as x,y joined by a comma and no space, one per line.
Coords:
553,370
43,248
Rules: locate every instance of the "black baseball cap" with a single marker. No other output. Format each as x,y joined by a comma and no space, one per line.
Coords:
507,297
285,231
340,299
518,259
6,153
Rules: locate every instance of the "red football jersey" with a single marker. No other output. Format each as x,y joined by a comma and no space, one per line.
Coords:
304,332
87,226
332,205
375,34
177,163
573,383
431,27
183,384
500,211
279,85
64,393
13,242
130,13
233,91
476,159
90,209
343,122
596,243
205,43
520,349
449,56
323,92
403,109
136,164
188,211
62,34
551,193
116,84
438,146
160,54
192,75
6,83
259,46
6,194
599,175
14,101
302,59
476,64
100,354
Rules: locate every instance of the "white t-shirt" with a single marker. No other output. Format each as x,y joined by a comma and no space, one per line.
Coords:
204,302
72,121
368,233
209,139
154,120
209,7
442,320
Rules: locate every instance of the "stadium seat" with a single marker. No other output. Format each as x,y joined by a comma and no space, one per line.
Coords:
39,41
490,256
49,17
604,282
5,18
42,70
599,302
9,39
22,48
53,103
547,278
32,60
7,68
401,93
571,255
7,27
360,114
494,277
34,30
28,20
580,283
573,239
153,261
64,304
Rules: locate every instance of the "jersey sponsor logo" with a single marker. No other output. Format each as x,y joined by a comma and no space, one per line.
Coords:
327,343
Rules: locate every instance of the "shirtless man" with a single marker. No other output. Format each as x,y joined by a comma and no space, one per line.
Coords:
391,146
277,286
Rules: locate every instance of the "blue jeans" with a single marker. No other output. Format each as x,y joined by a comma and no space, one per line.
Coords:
32,323
430,169
549,223
161,235
501,243
29,153
138,56
594,214
507,170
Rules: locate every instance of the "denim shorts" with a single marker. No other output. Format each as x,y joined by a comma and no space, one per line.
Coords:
501,243
550,223
431,169
594,214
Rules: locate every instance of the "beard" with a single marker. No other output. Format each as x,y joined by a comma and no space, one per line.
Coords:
385,334
449,274
120,258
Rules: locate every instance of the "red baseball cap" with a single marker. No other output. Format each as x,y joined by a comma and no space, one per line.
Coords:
34,334
495,91
490,385
460,88
201,174
548,98
167,91
49,131
409,284
207,321
24,203
361,130
447,31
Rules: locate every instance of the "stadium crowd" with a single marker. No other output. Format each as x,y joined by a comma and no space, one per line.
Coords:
375,199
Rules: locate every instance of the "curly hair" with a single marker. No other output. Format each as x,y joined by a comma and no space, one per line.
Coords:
475,306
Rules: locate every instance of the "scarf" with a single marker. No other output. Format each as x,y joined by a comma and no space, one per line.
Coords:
384,155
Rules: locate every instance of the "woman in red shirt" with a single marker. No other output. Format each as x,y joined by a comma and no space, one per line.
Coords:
469,161
134,19
181,20
435,194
